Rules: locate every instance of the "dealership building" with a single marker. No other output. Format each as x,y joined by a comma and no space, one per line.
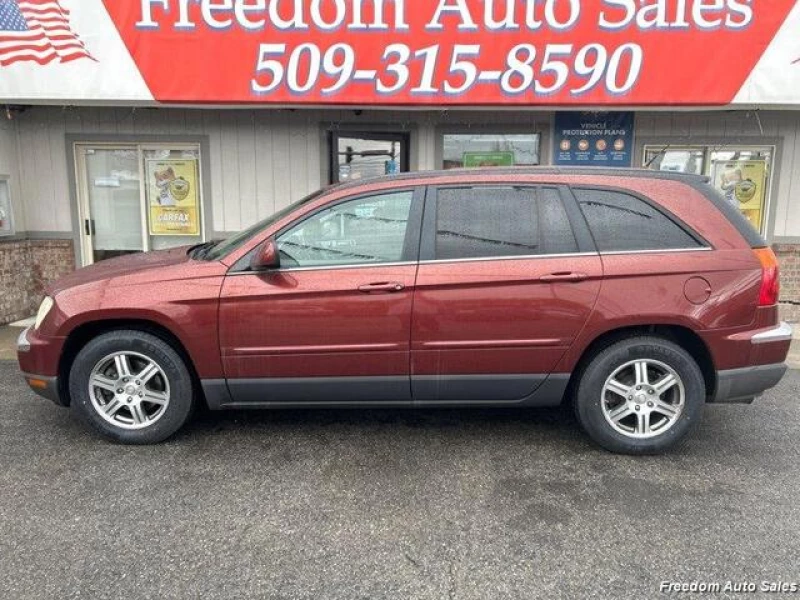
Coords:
144,125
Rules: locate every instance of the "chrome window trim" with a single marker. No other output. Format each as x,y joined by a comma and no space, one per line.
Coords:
504,258
660,251
563,255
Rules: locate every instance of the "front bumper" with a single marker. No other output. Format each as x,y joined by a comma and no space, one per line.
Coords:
38,355
46,387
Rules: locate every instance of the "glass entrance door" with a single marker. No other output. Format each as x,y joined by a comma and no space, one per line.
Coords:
111,206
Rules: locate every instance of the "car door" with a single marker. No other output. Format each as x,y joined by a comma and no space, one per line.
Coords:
332,323
508,276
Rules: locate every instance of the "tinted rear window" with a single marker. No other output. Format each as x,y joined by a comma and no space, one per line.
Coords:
485,222
620,222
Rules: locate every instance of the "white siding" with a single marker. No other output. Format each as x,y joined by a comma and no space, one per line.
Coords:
260,160
787,215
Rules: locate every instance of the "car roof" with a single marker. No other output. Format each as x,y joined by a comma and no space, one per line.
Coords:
422,176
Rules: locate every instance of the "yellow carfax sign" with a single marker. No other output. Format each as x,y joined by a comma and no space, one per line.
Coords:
744,184
173,196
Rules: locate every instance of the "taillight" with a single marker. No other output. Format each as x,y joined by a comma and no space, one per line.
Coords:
770,278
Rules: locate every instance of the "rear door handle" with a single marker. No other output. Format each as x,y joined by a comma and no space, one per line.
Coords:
384,287
566,276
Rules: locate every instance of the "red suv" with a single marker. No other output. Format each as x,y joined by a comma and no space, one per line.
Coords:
636,296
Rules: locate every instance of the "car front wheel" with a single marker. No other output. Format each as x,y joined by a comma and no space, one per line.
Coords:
641,395
132,387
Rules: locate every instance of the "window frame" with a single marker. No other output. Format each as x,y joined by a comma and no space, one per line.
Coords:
703,243
410,252
583,239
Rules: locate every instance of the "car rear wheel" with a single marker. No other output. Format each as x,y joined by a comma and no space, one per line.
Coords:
132,387
641,395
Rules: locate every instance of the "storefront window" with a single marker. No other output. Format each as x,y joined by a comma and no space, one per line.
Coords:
743,178
490,150
137,197
6,220
369,154
679,160
740,173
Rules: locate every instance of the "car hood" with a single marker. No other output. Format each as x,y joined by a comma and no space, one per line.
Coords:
130,265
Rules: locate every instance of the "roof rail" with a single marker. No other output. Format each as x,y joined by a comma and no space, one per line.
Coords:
601,171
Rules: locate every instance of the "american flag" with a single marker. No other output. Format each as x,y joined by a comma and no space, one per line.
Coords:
37,30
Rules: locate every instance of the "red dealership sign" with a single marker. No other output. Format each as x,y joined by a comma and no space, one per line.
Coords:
444,52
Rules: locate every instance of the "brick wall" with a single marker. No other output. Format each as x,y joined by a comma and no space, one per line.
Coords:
789,259
26,267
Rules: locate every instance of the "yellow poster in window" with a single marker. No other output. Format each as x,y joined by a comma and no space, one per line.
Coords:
744,185
173,196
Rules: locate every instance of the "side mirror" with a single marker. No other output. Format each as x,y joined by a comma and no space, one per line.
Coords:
266,257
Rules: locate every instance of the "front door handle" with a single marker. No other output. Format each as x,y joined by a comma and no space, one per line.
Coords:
565,276
384,287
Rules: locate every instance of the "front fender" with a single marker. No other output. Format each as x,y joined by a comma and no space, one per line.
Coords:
188,311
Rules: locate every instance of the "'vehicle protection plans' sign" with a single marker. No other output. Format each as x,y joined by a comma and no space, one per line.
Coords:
593,139
403,52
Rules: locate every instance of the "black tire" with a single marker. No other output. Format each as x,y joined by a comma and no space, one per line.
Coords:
181,394
589,394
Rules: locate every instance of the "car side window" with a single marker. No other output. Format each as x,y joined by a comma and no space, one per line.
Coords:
367,230
501,221
621,222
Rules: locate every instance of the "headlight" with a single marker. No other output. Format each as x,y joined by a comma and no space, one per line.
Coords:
44,308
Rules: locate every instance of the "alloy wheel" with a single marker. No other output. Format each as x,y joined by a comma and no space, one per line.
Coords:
643,398
129,390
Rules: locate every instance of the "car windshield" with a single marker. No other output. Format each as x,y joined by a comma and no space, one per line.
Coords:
225,247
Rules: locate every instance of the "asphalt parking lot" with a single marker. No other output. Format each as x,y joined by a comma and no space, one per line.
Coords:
392,504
